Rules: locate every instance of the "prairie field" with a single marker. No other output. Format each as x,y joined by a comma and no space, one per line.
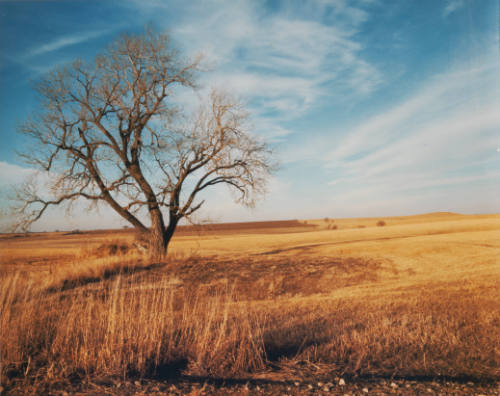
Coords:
413,297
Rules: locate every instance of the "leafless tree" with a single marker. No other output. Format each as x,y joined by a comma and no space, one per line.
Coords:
109,132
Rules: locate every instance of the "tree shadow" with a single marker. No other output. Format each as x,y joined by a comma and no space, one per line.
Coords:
108,273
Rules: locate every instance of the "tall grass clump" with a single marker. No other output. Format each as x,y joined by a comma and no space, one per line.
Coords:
126,328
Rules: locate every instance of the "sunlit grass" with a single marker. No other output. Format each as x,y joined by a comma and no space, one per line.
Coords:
103,309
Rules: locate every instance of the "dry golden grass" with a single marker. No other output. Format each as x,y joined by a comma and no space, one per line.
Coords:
416,297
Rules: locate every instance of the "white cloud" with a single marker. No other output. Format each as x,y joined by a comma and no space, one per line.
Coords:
32,60
280,62
449,95
443,144
444,138
62,42
452,6
277,204
11,174
57,217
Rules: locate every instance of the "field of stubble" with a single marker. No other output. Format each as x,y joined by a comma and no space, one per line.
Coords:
284,307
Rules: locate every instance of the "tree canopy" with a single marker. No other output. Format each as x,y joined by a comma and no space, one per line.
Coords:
111,131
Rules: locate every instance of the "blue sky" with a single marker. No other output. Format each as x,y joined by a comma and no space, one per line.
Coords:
373,108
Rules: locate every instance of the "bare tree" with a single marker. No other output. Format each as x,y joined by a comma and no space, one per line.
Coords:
110,132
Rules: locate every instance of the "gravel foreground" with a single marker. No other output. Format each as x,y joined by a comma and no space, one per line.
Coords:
189,386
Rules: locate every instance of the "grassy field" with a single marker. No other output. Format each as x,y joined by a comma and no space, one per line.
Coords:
409,296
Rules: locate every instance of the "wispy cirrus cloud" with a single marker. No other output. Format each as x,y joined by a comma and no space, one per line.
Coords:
448,103
281,62
40,59
445,136
62,42
293,43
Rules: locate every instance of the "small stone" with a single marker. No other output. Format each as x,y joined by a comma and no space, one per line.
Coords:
365,390
394,385
296,383
429,390
408,386
329,384
320,384
288,388
470,383
257,387
309,386
137,383
341,382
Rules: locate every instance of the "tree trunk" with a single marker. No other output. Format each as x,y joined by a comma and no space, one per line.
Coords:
157,245
169,232
159,237
157,242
